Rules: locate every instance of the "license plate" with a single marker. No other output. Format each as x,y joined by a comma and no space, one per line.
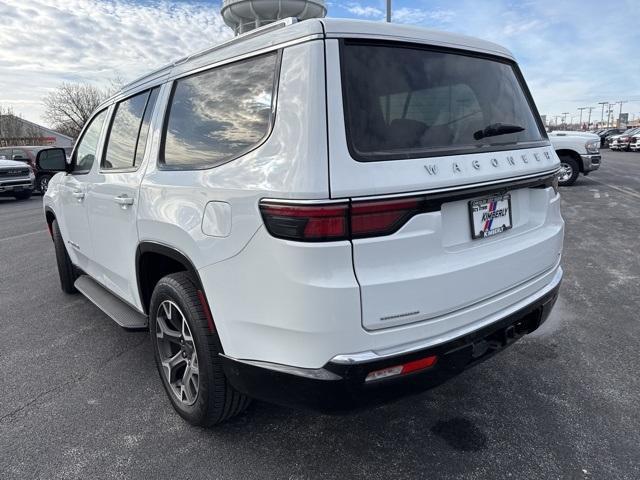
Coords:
490,216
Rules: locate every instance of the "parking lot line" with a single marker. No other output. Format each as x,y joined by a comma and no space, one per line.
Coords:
619,189
21,236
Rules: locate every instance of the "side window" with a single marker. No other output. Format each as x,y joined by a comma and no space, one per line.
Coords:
87,147
217,115
5,154
129,130
19,154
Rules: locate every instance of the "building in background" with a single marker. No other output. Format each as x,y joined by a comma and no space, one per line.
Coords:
16,131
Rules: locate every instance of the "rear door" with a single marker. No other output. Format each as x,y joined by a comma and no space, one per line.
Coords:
112,201
461,132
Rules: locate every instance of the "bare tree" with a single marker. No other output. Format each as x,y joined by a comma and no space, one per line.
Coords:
69,107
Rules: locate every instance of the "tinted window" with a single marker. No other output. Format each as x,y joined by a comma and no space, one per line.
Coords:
19,154
88,145
129,131
410,102
5,153
219,114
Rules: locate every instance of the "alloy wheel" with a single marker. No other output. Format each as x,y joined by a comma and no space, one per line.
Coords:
44,184
566,172
177,350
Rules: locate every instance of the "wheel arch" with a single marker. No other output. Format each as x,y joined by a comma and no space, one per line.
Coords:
573,154
49,216
154,261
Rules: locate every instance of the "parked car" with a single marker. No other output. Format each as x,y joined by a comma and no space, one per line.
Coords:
16,179
621,142
309,249
605,134
579,152
634,143
28,154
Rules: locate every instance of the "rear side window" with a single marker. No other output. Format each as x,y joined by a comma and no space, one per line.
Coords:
129,131
87,147
220,114
409,102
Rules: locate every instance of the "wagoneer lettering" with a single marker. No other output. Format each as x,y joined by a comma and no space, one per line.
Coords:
262,208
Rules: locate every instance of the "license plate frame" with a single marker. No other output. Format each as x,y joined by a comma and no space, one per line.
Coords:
485,228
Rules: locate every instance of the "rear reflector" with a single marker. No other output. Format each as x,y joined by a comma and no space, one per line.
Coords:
403,369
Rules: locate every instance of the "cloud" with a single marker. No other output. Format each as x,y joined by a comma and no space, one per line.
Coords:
573,53
46,42
367,11
422,16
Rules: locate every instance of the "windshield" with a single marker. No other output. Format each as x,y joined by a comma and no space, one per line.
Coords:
409,102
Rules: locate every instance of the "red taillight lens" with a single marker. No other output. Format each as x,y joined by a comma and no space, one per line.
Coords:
381,217
337,221
318,222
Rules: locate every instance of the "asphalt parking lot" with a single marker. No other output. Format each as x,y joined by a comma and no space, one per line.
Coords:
81,397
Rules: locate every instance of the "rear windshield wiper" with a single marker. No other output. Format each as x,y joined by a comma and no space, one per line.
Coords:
497,129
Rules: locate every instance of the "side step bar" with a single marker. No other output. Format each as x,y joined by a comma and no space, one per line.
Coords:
119,311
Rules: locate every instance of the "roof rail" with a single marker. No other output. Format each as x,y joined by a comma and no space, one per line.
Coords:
278,24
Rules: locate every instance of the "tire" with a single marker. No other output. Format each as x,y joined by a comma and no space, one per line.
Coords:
175,299
66,270
26,195
43,183
569,171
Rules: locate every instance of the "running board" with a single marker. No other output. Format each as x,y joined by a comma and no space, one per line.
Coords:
119,311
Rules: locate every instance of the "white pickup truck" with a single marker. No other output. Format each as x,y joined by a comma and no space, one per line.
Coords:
579,152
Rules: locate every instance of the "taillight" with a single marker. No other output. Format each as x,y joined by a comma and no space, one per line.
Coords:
311,223
381,217
337,221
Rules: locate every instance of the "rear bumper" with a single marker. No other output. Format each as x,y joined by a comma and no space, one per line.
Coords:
340,385
591,162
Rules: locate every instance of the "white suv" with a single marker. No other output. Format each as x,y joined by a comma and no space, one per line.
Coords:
316,213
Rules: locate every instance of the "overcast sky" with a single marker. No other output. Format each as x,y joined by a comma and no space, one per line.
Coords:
573,53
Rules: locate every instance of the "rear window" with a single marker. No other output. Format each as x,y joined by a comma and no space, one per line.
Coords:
410,102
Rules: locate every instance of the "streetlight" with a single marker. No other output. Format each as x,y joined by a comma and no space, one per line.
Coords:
620,115
581,109
602,116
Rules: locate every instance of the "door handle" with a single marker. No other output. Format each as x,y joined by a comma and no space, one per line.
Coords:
78,194
123,200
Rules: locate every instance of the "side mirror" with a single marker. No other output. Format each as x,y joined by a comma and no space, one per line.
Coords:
52,160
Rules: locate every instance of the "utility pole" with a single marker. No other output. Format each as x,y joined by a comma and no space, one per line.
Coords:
564,118
589,121
581,109
388,11
620,114
609,112
602,116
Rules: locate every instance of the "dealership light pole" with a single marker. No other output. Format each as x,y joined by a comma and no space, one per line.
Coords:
620,114
581,109
602,116
589,121
388,11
